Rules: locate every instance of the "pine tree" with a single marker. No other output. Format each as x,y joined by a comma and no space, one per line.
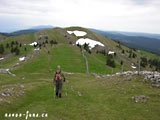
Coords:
7,45
89,51
12,43
12,50
110,61
20,45
134,55
46,41
123,51
25,49
1,49
144,62
78,45
51,42
97,52
55,42
121,62
86,47
16,43
17,51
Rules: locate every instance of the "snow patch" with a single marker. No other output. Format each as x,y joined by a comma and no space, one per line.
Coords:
34,43
1,58
92,43
134,67
78,33
22,58
70,32
36,49
111,52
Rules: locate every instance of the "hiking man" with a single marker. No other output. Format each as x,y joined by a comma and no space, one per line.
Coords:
58,81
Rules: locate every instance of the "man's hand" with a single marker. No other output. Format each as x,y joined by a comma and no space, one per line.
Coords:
64,80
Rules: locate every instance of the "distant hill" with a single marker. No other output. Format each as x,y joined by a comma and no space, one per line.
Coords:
134,40
144,41
157,36
40,27
4,34
28,31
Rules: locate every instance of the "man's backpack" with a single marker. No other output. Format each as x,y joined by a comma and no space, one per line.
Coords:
58,76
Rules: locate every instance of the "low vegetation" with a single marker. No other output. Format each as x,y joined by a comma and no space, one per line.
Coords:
85,96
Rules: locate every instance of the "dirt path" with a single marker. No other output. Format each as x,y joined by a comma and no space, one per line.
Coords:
87,71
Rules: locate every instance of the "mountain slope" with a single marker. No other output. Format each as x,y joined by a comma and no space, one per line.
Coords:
30,86
139,41
63,38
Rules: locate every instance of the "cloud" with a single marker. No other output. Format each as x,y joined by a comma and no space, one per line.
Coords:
127,15
141,2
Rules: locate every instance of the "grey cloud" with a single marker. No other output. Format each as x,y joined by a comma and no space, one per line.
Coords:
141,2
145,2
129,15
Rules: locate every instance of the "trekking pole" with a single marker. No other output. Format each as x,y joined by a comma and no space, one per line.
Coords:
65,91
54,93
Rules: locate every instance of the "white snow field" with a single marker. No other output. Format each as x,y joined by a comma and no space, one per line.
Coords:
34,43
92,43
110,52
78,33
22,58
1,58
36,49
134,67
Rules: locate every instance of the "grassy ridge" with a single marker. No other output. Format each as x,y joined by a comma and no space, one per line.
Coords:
101,99
87,97
65,55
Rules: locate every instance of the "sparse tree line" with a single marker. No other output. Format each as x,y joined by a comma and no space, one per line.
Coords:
85,47
103,52
45,37
43,44
109,60
14,46
131,52
150,62
119,46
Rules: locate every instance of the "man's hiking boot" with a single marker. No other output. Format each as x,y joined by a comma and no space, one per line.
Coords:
60,95
56,94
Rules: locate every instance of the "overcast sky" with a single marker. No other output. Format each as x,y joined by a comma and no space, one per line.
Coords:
119,15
